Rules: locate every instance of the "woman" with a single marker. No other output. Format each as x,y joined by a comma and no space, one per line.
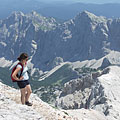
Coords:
22,81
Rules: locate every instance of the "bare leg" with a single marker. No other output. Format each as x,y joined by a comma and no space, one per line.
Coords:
29,91
23,92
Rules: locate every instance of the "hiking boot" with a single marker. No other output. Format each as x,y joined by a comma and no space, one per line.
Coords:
28,103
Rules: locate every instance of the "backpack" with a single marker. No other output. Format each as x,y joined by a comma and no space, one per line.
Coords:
13,80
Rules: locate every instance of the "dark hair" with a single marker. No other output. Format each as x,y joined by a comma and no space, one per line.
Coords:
22,56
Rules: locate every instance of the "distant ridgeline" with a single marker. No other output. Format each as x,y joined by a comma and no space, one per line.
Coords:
61,10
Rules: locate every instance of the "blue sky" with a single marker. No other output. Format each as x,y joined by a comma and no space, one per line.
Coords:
100,1
86,1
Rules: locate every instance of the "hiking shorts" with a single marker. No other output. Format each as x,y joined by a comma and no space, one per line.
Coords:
22,84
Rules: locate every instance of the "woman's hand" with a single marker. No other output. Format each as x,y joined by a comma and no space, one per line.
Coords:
21,78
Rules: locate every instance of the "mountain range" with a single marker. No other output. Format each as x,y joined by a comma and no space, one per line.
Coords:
49,42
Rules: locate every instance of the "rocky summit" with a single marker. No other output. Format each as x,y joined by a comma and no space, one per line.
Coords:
12,109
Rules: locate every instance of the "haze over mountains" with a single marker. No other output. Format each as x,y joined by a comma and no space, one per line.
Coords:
63,10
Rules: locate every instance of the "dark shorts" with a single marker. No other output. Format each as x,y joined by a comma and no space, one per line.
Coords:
22,84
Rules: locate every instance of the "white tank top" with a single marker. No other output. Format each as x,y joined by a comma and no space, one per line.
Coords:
24,73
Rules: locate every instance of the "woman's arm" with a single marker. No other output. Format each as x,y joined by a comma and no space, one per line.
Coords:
14,75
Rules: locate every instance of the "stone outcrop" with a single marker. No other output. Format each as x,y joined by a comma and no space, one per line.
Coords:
11,108
98,91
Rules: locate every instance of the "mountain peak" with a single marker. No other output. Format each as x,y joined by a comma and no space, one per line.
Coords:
34,13
90,16
86,13
17,13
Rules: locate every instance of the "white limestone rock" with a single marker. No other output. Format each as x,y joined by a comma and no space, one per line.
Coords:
12,109
99,92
